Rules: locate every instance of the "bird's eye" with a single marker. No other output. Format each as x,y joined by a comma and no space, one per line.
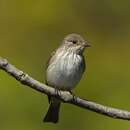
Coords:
73,41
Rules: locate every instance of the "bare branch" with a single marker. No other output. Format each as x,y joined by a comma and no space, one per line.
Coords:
62,95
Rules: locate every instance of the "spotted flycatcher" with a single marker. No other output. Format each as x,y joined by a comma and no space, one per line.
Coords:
64,70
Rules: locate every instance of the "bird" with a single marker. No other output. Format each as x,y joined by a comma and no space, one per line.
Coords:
64,70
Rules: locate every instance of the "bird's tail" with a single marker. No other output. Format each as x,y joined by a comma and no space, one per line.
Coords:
53,111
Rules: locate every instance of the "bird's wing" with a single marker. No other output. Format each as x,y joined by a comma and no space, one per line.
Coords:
50,59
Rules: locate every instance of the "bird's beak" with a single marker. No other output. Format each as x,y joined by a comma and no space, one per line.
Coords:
86,44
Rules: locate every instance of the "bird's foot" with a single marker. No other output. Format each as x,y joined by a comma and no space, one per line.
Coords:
72,93
57,92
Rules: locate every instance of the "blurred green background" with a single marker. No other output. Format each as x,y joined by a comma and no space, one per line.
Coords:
30,30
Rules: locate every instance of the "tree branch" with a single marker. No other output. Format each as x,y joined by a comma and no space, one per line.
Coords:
62,95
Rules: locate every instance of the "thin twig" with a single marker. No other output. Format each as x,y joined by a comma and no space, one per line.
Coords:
63,95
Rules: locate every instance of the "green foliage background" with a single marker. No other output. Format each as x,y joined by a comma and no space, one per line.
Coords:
30,30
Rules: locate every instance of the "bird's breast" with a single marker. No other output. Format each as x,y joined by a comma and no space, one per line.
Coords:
65,71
